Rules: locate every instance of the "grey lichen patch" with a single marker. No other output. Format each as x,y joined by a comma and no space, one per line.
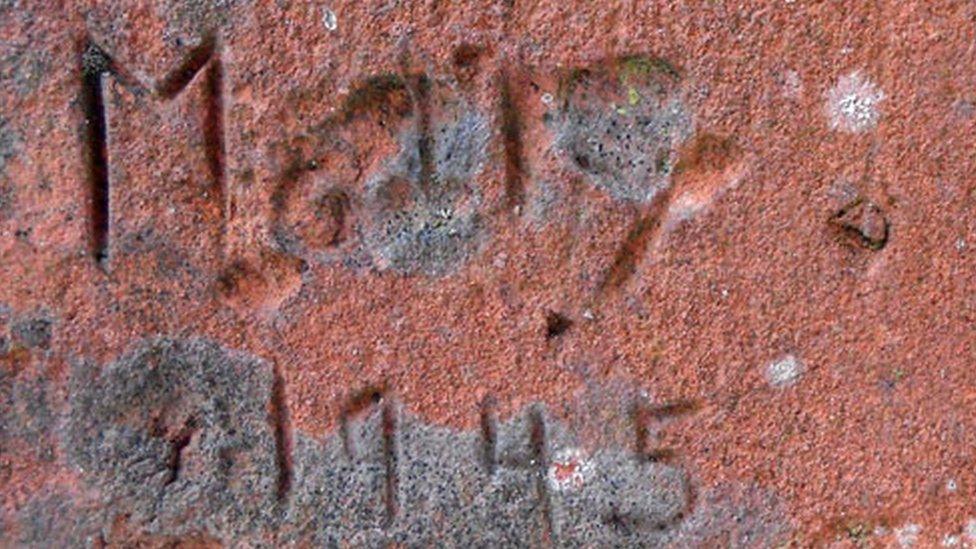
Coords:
175,436
423,209
624,501
735,515
443,493
528,481
174,443
621,123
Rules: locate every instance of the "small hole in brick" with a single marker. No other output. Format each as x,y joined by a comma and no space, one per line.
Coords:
466,55
556,324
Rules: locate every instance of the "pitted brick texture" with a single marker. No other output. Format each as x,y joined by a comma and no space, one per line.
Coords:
501,272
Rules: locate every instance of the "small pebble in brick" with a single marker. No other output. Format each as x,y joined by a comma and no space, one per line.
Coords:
329,19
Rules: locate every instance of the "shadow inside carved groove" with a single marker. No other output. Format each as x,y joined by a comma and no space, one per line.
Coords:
644,231
515,167
354,407
556,324
94,65
862,223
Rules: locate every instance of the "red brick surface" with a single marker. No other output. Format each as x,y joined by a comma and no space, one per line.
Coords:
737,237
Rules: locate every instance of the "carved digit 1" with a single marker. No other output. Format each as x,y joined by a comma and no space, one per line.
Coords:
95,64
646,415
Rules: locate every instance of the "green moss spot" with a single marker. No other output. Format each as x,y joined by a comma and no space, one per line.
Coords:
636,68
633,96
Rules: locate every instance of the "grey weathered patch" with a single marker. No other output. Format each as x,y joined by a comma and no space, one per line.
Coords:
425,219
620,123
625,500
543,200
390,478
175,437
50,520
174,441
33,332
7,199
734,516
23,65
9,143
390,180
26,418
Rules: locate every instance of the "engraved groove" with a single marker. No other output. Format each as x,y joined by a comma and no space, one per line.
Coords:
489,435
391,461
646,230
357,404
94,65
281,422
511,120
540,457
214,126
644,414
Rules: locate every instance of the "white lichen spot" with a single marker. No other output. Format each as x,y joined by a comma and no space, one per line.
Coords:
951,485
907,535
547,99
951,540
792,85
569,470
852,104
969,531
329,19
784,372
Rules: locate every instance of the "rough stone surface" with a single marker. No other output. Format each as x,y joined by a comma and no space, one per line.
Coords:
494,273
